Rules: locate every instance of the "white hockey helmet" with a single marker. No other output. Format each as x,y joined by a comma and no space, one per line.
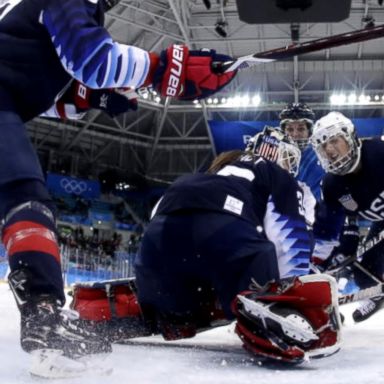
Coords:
333,125
273,145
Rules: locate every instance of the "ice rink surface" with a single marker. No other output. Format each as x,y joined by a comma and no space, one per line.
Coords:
211,357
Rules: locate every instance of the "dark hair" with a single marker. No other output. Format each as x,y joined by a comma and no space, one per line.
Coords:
224,159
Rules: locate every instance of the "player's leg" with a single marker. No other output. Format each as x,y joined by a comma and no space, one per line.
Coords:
29,235
174,291
239,256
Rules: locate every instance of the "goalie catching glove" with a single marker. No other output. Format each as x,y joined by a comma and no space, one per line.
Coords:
292,321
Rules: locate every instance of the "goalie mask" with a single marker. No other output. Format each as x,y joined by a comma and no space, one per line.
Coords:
336,144
275,146
296,121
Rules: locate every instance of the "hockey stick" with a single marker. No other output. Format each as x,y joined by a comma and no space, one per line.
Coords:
369,244
366,293
362,294
361,250
288,51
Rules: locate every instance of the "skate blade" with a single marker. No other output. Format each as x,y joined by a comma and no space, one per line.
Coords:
51,364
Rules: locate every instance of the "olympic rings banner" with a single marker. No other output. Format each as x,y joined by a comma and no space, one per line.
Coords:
60,185
228,135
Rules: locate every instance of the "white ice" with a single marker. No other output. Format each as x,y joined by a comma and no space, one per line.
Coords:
211,357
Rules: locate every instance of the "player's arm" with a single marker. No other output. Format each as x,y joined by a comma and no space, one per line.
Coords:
86,49
91,56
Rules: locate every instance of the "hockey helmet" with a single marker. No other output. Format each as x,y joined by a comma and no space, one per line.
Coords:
298,112
326,130
273,145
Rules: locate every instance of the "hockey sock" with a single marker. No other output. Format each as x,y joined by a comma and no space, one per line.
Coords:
30,240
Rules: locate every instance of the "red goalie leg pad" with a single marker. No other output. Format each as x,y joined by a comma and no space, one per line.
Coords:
296,318
315,297
103,301
262,347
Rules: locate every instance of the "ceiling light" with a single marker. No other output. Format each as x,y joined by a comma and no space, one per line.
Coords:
352,98
256,100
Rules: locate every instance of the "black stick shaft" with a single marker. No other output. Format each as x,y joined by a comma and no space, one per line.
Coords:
288,51
323,43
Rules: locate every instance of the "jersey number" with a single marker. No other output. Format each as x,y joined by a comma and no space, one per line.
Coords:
300,199
232,170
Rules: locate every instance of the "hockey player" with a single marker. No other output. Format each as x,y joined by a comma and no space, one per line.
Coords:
46,45
296,121
231,243
353,186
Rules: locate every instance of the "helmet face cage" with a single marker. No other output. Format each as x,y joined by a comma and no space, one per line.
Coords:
301,143
331,126
273,145
298,112
289,157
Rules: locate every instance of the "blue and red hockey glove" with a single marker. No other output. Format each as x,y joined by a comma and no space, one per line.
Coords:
188,75
112,101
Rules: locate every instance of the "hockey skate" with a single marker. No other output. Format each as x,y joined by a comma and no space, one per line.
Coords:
60,346
45,326
368,308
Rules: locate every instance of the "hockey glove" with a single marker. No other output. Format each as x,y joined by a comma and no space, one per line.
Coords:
290,321
345,253
188,75
349,238
112,101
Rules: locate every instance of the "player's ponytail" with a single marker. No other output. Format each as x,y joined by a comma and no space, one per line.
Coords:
224,159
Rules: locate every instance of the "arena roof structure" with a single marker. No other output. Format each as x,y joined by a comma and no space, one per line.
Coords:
166,138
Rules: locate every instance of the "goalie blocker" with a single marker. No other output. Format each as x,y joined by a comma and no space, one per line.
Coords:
288,322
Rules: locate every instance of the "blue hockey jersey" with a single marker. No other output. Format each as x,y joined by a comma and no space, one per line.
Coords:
255,190
46,43
359,193
311,172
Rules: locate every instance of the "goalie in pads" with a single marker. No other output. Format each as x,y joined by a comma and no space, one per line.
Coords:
190,279
289,321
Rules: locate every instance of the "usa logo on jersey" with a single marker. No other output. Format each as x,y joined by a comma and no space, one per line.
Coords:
348,202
